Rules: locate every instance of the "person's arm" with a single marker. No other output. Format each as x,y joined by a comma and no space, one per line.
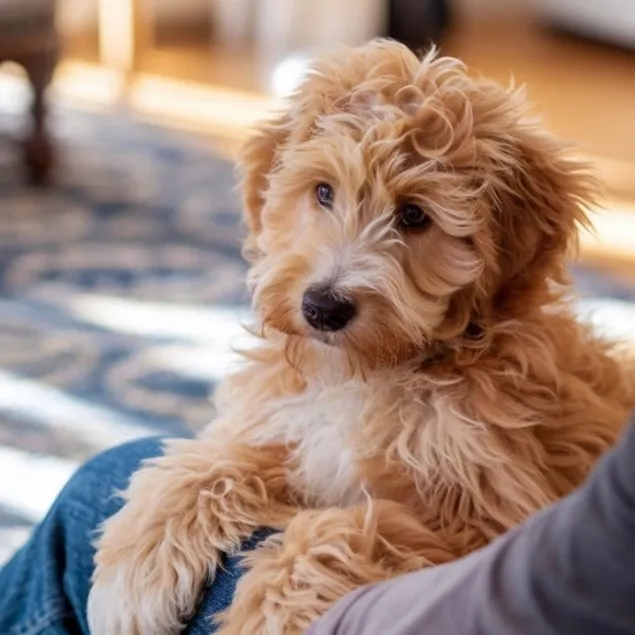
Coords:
568,570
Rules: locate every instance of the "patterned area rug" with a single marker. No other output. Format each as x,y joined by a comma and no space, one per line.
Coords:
121,292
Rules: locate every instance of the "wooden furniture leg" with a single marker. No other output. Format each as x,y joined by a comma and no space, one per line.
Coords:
28,37
38,147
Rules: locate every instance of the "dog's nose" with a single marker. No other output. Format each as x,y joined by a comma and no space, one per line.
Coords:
325,310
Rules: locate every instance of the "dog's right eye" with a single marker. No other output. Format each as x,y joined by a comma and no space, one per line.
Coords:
325,195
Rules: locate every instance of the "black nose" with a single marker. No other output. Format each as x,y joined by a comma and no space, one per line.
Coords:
325,310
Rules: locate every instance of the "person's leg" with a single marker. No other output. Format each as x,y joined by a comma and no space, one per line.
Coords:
44,588
219,594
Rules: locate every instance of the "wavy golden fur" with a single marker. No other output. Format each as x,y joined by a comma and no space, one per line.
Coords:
463,396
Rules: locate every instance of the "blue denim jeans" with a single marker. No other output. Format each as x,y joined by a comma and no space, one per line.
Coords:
44,588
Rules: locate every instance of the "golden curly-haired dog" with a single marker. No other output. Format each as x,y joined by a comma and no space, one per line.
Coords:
420,387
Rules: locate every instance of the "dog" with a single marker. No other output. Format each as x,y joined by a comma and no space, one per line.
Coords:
420,385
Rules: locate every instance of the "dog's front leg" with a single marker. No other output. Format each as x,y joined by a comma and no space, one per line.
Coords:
182,511
323,555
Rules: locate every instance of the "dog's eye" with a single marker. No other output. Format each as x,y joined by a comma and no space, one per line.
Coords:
325,195
412,217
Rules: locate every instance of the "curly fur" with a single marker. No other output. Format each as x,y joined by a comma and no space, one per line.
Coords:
462,398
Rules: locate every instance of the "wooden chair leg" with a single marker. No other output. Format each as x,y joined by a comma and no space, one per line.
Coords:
38,148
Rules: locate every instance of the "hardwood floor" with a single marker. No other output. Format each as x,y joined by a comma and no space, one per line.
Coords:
584,91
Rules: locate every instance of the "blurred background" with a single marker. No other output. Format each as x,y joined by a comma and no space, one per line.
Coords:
121,282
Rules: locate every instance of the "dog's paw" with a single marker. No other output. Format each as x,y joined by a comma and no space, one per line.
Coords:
111,611
284,590
136,598
145,582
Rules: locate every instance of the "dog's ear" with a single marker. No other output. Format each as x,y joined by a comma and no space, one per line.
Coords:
256,162
539,202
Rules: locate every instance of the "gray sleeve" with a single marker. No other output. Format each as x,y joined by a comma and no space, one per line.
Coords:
568,570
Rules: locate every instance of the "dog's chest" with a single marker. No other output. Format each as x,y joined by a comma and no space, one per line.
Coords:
320,424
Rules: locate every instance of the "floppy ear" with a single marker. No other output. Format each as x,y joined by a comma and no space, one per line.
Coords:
539,204
256,161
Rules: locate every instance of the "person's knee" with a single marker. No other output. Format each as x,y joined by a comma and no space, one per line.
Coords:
94,487
118,463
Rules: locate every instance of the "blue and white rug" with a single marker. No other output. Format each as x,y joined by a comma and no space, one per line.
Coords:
121,293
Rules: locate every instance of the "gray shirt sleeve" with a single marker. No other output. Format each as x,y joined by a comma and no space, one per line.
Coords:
568,570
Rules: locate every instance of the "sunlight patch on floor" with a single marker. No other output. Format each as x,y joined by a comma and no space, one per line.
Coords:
614,232
221,325
612,318
30,483
199,362
50,407
12,539
215,110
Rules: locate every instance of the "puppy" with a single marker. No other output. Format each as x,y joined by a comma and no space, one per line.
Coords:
420,385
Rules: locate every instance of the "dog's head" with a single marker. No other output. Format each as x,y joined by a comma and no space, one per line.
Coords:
399,202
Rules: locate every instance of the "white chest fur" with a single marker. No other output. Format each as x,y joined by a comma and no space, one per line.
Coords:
319,423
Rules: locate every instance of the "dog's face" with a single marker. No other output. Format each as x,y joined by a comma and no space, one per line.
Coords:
399,202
